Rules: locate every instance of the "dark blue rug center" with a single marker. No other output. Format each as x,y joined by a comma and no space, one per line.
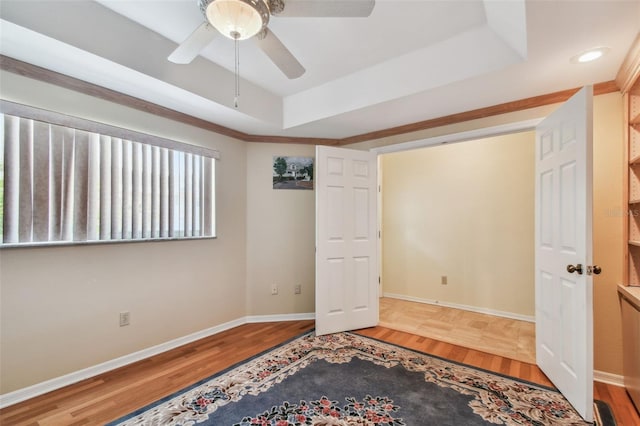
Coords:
418,402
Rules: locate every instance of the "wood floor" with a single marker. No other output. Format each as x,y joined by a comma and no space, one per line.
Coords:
111,395
506,337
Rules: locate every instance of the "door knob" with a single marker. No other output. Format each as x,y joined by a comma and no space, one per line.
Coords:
595,269
578,268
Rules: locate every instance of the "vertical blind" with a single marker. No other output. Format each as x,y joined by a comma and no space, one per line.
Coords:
63,184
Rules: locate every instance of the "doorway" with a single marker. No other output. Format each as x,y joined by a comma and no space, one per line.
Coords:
563,303
457,258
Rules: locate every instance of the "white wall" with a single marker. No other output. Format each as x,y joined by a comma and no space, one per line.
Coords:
280,235
464,211
59,306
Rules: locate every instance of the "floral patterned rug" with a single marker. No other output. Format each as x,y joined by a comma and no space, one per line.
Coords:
348,379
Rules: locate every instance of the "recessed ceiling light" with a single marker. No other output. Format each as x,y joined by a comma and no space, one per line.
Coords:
589,55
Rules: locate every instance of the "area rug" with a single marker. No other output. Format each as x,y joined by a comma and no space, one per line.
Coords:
348,379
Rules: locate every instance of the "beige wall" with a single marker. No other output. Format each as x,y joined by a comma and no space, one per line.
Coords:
280,235
608,240
464,211
59,306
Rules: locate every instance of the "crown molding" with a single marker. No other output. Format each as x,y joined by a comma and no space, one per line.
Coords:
42,74
630,69
522,104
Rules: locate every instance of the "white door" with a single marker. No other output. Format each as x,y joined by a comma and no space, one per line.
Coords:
346,240
564,299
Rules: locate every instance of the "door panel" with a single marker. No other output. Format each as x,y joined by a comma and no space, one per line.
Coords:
564,300
346,240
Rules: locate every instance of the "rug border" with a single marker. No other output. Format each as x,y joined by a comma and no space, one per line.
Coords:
205,380
354,333
597,403
506,376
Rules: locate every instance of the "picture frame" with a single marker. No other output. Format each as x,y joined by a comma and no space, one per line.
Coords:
293,172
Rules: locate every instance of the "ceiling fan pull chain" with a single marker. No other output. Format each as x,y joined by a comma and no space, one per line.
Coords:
237,72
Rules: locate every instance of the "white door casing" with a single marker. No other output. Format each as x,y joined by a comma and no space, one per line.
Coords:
563,236
346,240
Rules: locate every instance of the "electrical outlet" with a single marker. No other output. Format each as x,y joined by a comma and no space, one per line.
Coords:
443,280
274,289
124,318
297,289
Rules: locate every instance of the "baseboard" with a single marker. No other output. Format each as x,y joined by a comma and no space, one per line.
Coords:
71,378
280,317
608,378
487,311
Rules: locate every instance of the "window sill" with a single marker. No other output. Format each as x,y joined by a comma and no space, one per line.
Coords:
100,242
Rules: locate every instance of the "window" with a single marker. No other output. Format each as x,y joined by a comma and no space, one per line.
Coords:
68,180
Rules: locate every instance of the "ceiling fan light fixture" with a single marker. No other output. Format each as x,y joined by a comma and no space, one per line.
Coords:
236,19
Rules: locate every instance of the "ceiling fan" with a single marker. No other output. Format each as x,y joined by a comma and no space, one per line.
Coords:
244,19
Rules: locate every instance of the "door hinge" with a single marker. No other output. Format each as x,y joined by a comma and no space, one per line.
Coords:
379,234
378,279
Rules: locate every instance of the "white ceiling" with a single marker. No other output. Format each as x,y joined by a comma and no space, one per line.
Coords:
409,61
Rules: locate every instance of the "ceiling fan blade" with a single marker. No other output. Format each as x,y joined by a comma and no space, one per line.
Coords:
327,8
193,45
279,55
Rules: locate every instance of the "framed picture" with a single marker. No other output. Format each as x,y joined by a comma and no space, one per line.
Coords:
292,172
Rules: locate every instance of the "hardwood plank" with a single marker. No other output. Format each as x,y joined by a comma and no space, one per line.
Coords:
114,394
619,401
487,333
111,395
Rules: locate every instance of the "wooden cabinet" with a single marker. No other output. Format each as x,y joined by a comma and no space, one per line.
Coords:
629,291
631,344
633,213
632,133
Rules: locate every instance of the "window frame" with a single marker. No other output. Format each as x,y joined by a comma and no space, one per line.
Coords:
81,124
